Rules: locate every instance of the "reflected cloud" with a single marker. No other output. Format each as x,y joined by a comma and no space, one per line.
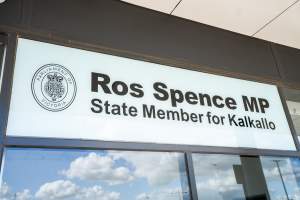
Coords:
215,177
60,190
87,175
158,168
66,190
165,194
289,169
6,194
98,167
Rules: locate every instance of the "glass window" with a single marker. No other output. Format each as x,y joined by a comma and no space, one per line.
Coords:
283,177
41,174
229,177
293,102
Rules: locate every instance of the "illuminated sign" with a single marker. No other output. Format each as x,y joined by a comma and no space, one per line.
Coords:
62,92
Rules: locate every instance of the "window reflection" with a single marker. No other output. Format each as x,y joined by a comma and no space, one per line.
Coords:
282,175
231,177
89,175
226,177
44,174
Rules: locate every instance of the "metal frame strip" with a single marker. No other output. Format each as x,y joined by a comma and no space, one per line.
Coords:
6,71
191,176
30,142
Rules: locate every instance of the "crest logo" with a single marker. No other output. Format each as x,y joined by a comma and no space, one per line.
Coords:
53,87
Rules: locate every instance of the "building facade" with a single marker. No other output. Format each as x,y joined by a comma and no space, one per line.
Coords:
106,100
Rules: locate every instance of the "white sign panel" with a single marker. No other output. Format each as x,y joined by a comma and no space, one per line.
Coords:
61,92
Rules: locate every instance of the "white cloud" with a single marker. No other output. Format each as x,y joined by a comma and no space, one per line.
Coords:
163,194
96,193
24,195
60,189
142,196
98,167
224,187
215,177
66,190
158,168
6,194
205,164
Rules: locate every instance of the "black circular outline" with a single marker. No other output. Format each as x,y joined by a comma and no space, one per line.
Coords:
35,97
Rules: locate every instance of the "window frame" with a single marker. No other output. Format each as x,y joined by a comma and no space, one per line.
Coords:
17,154
3,111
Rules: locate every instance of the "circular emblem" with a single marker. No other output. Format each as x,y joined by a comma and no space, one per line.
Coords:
53,87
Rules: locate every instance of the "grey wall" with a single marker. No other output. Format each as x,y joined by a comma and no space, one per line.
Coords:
122,26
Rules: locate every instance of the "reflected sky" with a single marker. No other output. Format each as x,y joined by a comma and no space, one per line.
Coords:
45,174
216,178
87,175
289,169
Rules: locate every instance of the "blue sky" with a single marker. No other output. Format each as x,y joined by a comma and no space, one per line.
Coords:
32,168
130,175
